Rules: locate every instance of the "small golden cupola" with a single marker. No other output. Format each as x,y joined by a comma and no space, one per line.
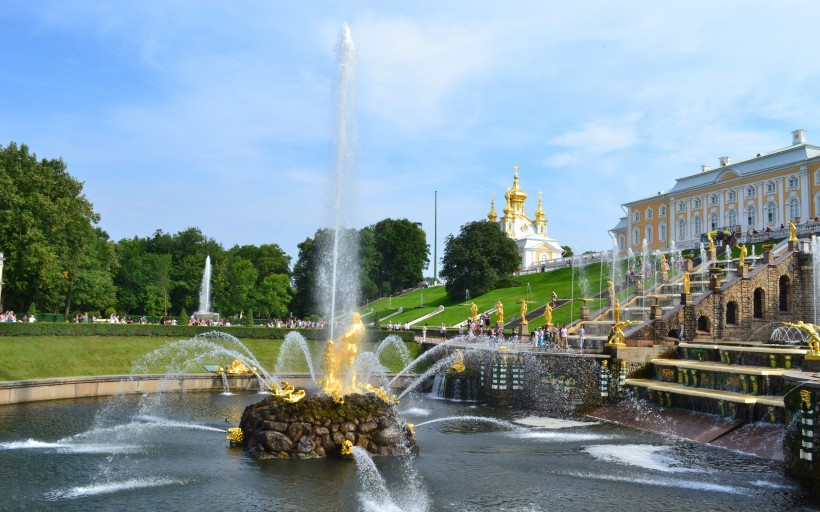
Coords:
492,216
540,216
508,209
516,196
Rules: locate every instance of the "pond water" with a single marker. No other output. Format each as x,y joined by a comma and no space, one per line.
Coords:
169,453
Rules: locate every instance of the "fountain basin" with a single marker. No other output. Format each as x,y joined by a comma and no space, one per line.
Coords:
318,426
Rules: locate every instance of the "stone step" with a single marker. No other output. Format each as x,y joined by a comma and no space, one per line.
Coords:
727,396
758,347
712,366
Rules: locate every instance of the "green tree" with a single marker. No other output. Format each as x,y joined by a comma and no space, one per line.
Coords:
273,295
239,281
402,246
567,251
479,259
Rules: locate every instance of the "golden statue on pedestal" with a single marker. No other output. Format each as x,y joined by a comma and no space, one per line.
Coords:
523,303
548,315
499,313
458,363
339,356
792,232
237,367
616,336
686,283
474,312
616,311
711,242
814,336
742,259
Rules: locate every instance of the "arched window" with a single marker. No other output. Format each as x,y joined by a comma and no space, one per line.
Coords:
751,216
636,216
703,323
750,192
697,226
731,313
681,206
697,203
731,218
662,211
770,187
713,222
758,303
649,213
681,230
648,234
731,195
662,232
636,234
793,182
794,208
784,289
713,199
770,211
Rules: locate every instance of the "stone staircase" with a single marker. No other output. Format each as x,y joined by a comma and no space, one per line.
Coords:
741,381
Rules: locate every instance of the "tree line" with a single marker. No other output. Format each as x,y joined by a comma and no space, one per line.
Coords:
58,260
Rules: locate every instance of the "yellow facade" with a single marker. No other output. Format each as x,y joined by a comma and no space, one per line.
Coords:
763,192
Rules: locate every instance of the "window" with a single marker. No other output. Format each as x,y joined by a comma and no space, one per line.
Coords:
648,213
713,199
681,230
662,233
697,203
662,211
621,242
731,195
751,216
636,234
714,221
681,206
731,218
750,192
648,234
793,181
697,226
770,187
794,208
636,217
771,213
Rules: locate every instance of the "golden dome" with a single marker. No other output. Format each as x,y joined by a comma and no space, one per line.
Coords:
539,213
492,216
508,209
516,195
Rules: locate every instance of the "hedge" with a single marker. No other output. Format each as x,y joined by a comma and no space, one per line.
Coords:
181,331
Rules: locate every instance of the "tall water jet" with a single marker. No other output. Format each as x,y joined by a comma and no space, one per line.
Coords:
205,288
338,276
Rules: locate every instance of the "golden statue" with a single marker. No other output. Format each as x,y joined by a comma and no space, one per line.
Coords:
616,311
664,264
474,312
616,336
235,436
499,313
523,311
814,336
458,364
686,284
743,253
711,242
237,367
347,447
287,392
339,357
548,315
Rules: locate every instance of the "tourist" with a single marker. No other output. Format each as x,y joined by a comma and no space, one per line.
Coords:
554,299
443,329
424,334
581,337
680,332
564,336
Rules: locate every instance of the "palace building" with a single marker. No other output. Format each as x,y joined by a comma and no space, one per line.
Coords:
530,235
743,197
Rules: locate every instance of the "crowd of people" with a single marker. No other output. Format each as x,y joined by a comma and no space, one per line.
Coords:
11,316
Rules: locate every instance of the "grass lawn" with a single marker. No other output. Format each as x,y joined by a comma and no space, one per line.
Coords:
37,357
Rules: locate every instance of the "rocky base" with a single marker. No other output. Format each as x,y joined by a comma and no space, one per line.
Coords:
317,426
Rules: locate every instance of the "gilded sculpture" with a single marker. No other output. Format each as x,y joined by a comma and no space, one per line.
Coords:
686,283
338,359
814,335
499,313
458,363
548,315
616,336
474,312
792,232
742,258
711,242
523,311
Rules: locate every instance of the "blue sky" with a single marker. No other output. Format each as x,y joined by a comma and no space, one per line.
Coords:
220,114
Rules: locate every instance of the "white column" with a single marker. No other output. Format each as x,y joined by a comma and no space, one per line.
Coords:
781,186
760,188
804,194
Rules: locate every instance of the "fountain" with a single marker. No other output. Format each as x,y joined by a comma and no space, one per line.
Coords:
204,313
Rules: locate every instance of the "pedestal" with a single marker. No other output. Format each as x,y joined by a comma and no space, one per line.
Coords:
712,253
688,266
685,299
664,277
584,313
524,330
793,245
639,287
656,312
743,272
